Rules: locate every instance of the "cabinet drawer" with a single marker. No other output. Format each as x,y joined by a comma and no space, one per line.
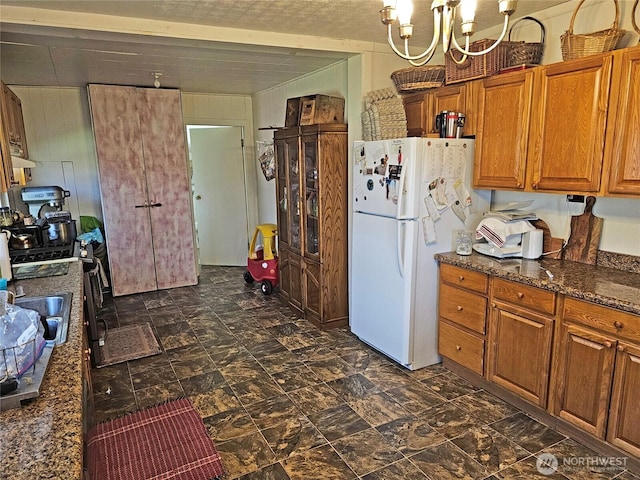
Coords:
525,296
621,324
461,277
461,347
462,307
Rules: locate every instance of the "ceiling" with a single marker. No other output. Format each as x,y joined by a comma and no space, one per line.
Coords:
221,46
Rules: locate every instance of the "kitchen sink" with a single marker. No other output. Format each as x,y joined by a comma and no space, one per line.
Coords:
56,309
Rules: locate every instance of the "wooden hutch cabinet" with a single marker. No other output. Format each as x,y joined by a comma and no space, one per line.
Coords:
311,186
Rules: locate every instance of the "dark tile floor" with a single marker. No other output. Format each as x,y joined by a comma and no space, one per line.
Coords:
285,400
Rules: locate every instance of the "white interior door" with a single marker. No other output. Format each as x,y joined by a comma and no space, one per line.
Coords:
219,189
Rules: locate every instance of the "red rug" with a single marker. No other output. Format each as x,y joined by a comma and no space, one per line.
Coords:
161,443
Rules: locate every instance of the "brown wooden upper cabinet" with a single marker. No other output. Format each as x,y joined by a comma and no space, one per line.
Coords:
623,131
567,127
566,149
504,111
421,108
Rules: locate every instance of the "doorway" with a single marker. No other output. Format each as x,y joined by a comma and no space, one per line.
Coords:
219,193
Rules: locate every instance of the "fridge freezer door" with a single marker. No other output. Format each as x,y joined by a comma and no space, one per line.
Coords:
386,177
382,276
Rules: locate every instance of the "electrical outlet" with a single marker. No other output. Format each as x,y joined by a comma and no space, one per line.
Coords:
575,198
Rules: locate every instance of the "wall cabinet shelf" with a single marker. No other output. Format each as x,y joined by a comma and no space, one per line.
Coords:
13,140
145,187
567,127
311,186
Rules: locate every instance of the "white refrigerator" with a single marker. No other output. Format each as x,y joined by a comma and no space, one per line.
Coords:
410,196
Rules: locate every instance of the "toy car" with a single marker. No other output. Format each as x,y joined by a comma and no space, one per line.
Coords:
262,261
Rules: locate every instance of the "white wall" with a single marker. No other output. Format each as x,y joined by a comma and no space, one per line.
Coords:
228,110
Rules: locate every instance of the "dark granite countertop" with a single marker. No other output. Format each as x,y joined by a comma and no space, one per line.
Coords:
602,285
43,438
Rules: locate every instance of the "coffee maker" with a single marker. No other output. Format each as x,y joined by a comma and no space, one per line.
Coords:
43,200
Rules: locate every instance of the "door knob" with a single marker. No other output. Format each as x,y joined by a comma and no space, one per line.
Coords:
198,197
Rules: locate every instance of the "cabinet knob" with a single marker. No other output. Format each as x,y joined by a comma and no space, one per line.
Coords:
461,277
618,324
534,185
520,295
458,347
459,308
620,348
493,305
608,344
519,185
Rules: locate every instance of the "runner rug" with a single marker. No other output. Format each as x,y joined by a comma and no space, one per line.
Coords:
128,343
167,442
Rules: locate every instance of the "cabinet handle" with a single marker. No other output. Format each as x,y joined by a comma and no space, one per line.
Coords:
520,295
535,185
620,348
608,344
461,278
519,185
618,324
459,308
458,347
493,305
157,204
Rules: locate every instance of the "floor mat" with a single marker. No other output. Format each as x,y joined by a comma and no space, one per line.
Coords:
167,442
128,343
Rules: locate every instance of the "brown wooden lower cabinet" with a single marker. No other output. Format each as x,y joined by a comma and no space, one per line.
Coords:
519,352
461,347
583,386
624,414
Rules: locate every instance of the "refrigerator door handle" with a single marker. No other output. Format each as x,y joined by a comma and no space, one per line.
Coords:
400,226
401,191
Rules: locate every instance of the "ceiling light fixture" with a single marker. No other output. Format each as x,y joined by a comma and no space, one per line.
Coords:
444,13
156,79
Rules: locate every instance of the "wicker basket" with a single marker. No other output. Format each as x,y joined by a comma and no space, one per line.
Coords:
414,79
583,45
524,53
480,66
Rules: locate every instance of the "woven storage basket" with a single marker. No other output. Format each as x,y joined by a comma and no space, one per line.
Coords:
583,45
418,78
526,53
477,67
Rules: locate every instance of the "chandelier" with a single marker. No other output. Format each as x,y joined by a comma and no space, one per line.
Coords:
444,13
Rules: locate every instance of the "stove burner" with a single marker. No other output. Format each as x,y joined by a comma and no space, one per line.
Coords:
39,254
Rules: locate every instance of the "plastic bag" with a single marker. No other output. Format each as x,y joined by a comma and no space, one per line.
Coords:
21,340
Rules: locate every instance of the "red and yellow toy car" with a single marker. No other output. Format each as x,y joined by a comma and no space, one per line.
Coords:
262,261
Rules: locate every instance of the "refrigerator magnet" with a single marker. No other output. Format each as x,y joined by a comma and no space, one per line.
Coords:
457,209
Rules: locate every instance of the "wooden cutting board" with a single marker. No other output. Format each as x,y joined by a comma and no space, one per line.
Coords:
584,239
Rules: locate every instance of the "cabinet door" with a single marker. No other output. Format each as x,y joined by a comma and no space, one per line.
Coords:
312,206
290,282
294,192
568,124
169,188
623,132
311,289
624,421
584,383
123,188
520,351
451,97
282,191
503,113
416,109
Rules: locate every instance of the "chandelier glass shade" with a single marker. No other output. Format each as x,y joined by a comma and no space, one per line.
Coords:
444,16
